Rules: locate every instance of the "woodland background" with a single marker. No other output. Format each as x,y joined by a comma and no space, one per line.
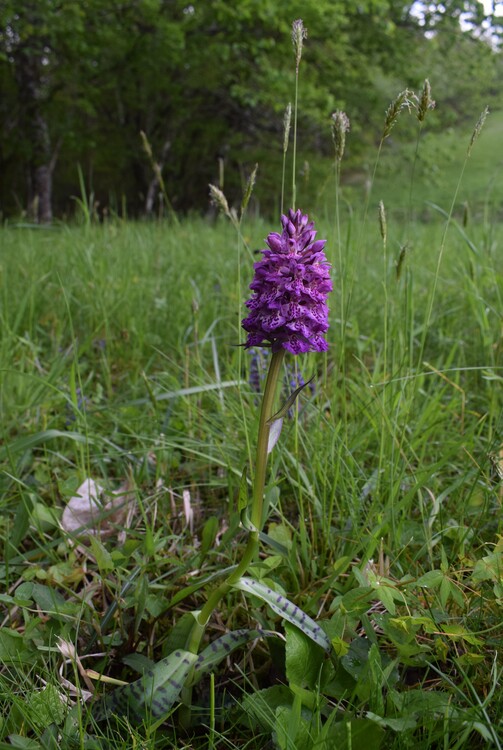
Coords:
208,83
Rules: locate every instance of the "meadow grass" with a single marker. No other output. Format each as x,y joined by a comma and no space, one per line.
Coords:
119,361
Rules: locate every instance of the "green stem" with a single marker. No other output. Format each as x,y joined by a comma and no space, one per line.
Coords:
283,182
266,413
257,504
294,184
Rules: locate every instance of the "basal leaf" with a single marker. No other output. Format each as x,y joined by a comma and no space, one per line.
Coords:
153,695
303,660
354,734
286,609
223,646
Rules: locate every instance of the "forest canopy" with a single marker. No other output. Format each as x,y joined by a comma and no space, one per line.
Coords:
208,83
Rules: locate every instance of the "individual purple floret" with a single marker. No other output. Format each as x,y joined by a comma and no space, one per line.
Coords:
291,284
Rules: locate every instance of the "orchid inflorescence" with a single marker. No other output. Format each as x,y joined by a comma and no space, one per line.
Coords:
291,283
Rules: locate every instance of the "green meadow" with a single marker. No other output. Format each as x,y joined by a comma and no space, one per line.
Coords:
121,363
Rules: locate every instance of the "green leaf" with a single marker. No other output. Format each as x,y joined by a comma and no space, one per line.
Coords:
243,491
275,428
139,662
397,725
467,659
13,649
179,635
281,414
356,660
208,535
273,544
20,527
285,609
279,538
430,580
489,568
291,729
303,659
356,601
189,590
45,706
402,630
457,632
103,557
22,743
154,694
223,646
354,734
49,600
445,591
377,680
385,596
260,707
30,441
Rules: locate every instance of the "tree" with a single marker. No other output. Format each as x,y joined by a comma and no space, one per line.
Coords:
33,35
83,78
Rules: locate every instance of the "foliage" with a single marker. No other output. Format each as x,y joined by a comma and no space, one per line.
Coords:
385,495
206,81
137,610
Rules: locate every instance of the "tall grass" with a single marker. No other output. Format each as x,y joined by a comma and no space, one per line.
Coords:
119,361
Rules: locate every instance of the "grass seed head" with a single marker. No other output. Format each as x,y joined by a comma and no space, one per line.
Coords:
250,184
340,126
404,100
425,102
146,145
299,33
287,121
477,129
382,222
219,200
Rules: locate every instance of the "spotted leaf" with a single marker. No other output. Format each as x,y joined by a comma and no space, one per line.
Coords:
154,694
286,609
223,646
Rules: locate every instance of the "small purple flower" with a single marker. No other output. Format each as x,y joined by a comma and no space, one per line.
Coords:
291,284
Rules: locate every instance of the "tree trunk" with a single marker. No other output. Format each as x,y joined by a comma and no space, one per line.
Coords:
41,162
42,166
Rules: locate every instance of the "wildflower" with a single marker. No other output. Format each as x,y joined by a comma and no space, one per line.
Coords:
291,284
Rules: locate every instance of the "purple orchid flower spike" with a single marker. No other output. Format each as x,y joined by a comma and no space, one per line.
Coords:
289,306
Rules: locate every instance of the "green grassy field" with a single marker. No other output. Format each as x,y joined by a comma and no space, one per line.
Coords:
119,362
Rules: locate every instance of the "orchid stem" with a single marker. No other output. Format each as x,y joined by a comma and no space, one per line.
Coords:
257,506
